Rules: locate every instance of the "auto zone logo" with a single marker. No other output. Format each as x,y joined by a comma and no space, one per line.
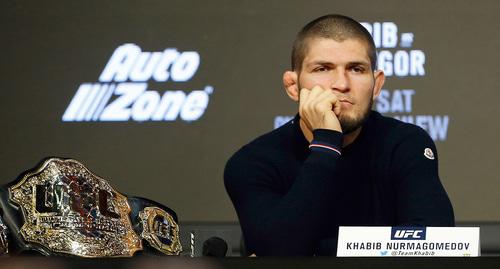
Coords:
122,92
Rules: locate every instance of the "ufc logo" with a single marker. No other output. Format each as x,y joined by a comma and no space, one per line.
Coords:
408,233
64,198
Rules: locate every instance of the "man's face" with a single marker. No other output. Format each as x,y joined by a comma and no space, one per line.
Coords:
343,67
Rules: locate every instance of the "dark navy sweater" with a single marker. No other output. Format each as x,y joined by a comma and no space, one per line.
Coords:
290,200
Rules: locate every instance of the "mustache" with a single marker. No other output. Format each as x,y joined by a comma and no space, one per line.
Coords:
345,98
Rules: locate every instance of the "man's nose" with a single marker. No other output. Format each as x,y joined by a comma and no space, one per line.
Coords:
340,81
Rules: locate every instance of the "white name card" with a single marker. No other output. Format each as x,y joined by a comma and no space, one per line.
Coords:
408,242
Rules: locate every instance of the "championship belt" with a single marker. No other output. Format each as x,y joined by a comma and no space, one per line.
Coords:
62,208
4,244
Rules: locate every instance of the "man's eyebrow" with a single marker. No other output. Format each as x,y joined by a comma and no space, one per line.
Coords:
319,62
353,63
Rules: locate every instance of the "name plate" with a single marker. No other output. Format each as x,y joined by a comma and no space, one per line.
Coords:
408,242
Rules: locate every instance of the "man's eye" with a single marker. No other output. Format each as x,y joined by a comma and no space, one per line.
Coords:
357,69
321,69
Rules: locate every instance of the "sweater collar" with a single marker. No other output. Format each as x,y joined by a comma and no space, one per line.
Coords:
300,143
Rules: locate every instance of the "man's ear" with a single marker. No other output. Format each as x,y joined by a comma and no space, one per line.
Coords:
290,81
379,83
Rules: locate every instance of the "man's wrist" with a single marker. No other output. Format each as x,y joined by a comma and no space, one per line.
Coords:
326,140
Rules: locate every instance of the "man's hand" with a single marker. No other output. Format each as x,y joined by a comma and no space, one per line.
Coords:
319,109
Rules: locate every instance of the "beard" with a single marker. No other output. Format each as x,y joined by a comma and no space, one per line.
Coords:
350,124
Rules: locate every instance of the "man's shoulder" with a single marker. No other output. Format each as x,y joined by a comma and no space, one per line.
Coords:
394,130
273,142
261,156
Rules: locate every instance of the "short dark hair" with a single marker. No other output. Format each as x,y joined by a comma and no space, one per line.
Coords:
332,26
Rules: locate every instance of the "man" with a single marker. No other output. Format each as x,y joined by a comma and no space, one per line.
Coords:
338,162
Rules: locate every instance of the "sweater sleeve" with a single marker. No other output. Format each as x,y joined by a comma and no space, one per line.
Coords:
274,223
421,199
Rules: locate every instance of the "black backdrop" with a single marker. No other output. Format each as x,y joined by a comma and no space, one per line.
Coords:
52,48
